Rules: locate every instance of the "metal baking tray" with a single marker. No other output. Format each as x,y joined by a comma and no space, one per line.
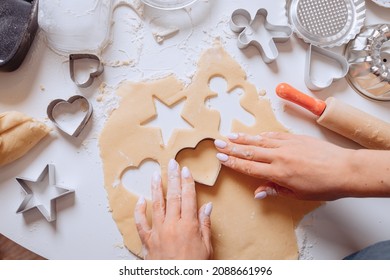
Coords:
18,26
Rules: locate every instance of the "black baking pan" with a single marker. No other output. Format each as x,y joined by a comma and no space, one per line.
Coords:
18,26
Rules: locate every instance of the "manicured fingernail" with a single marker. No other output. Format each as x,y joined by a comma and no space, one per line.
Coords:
208,209
156,177
233,136
261,195
222,157
185,172
220,144
173,165
141,200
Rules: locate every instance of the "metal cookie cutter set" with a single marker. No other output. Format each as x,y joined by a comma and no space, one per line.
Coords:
28,203
253,33
60,102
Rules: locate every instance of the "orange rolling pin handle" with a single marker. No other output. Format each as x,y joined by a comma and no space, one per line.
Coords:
287,92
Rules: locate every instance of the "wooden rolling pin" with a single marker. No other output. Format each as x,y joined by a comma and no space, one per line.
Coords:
352,123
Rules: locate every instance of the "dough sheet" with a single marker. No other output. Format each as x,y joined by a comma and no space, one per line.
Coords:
242,228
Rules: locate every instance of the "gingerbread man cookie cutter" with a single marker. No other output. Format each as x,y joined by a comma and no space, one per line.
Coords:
26,205
241,22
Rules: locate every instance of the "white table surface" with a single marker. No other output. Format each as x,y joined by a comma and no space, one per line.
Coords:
84,228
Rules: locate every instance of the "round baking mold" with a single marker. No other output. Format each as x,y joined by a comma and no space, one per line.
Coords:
326,23
369,62
383,3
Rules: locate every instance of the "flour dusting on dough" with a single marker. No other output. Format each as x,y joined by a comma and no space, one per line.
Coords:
242,228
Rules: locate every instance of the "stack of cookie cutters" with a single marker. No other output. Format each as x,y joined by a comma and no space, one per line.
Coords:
26,205
241,22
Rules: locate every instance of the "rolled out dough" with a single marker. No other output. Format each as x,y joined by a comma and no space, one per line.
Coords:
18,134
242,228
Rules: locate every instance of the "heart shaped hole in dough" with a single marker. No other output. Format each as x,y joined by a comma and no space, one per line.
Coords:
137,179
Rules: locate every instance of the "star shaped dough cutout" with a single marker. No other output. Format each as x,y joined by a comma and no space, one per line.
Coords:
168,117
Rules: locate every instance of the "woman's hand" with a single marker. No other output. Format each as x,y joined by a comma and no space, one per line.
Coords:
296,166
178,230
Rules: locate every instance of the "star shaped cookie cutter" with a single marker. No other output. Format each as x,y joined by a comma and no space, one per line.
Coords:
25,206
241,22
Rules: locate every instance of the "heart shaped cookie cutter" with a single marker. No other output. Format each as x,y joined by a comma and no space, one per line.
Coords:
71,100
315,84
99,70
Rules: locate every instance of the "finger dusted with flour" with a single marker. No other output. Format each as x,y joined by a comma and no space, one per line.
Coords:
178,230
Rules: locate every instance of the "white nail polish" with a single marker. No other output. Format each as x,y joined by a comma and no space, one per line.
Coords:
220,144
156,177
233,136
261,195
208,209
173,165
222,157
185,172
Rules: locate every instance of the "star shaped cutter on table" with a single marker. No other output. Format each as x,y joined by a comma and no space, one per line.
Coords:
50,214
